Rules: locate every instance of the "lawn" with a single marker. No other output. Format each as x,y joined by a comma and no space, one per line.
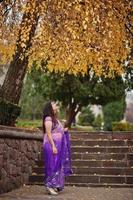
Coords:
31,124
34,124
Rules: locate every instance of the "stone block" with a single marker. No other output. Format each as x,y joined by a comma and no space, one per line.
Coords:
112,179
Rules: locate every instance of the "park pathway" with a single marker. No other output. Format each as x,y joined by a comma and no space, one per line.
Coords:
70,193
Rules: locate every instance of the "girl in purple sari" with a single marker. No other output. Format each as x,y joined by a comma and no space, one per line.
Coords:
56,150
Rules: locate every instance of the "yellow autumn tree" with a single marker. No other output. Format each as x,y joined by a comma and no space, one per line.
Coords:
78,35
72,35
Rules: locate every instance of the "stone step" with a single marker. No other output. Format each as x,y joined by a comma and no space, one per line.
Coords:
101,163
99,156
96,143
102,135
101,149
98,160
93,170
95,163
93,136
100,179
130,156
104,170
108,185
107,149
89,179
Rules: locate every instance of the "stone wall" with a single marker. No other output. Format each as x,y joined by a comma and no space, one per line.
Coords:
18,151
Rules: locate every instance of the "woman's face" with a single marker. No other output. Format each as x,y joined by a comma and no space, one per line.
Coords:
55,106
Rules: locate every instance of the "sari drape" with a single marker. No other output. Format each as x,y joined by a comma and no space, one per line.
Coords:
57,166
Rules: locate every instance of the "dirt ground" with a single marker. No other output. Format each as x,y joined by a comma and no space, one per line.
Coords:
69,193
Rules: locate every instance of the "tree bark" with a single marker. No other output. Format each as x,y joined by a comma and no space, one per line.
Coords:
12,86
71,113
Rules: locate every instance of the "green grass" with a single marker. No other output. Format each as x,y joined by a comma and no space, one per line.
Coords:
33,124
82,128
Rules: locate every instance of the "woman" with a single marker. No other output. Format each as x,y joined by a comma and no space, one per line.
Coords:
56,150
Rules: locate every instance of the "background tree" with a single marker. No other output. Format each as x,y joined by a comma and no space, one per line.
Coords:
31,101
12,86
113,112
76,92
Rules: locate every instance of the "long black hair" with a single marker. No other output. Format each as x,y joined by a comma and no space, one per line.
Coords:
48,111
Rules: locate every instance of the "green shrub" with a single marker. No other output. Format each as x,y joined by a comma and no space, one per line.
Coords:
119,126
98,122
122,126
8,113
130,127
113,112
86,117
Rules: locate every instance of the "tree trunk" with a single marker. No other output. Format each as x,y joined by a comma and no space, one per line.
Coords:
10,91
71,113
12,86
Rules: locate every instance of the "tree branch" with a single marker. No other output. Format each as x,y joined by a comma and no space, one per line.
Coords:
129,29
8,9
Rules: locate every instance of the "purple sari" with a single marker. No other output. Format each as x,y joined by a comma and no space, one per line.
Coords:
57,166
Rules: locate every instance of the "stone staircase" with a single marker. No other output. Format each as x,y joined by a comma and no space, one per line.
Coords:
98,159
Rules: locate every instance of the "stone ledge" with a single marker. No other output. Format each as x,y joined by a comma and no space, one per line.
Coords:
18,129
20,135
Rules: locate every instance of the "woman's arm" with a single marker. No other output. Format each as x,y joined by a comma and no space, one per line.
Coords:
48,126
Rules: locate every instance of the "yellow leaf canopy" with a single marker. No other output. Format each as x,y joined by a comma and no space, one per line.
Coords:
73,36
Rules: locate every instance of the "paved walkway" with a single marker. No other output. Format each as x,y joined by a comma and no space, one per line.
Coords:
69,193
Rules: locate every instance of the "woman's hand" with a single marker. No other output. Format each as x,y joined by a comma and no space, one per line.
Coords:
66,129
54,149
